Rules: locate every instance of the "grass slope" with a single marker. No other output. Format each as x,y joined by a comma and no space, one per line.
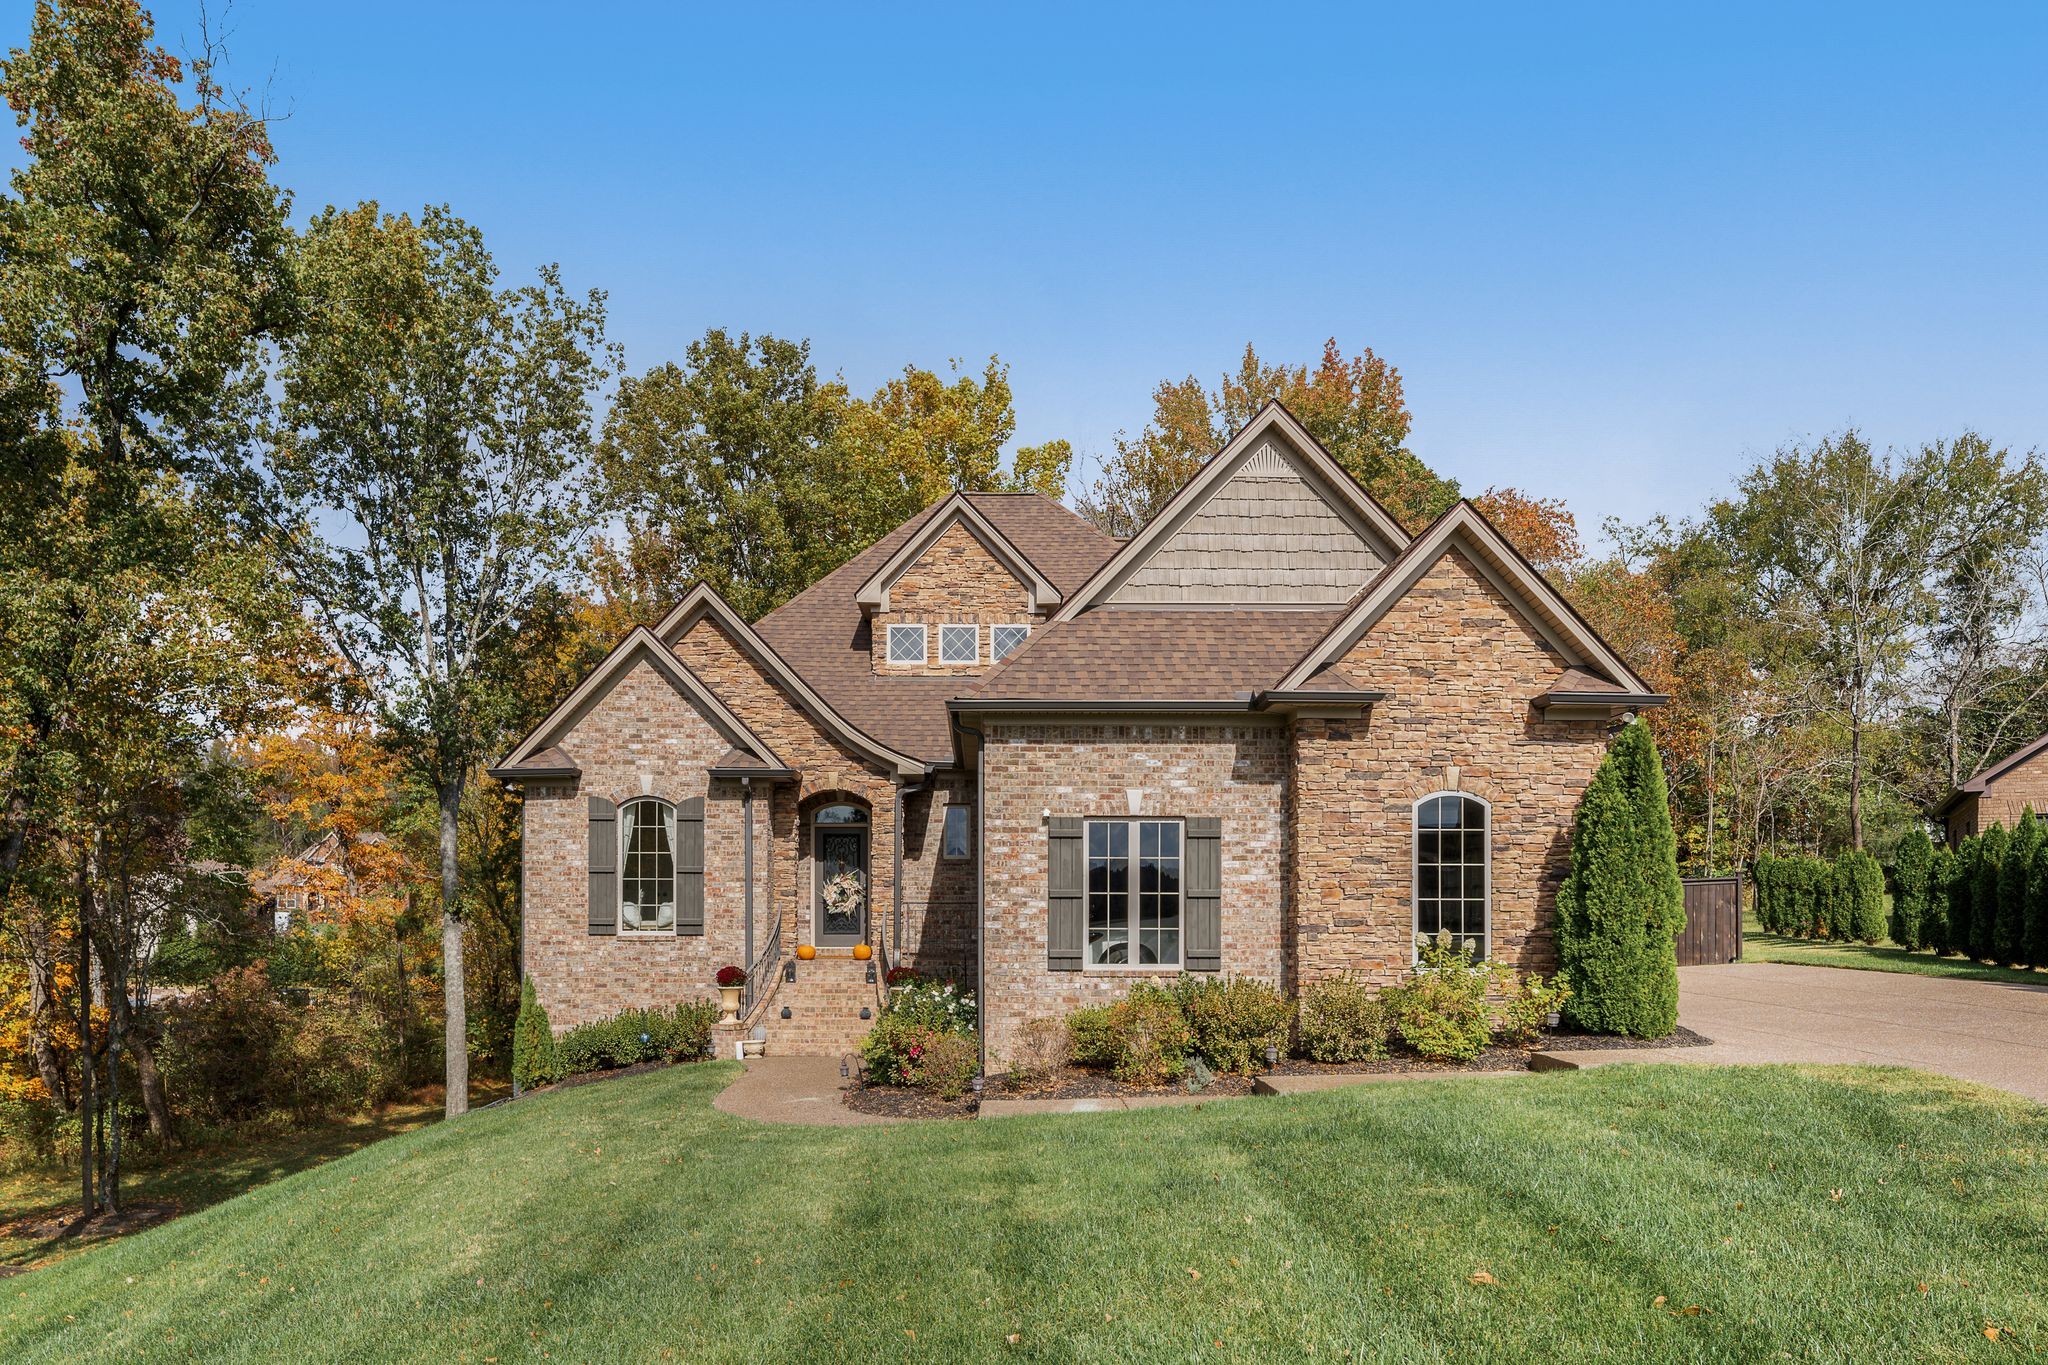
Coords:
1758,946
1823,1213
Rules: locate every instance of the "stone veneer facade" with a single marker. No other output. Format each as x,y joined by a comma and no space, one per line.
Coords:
956,581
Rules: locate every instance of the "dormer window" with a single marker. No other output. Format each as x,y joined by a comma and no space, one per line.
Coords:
959,644
1003,641
906,644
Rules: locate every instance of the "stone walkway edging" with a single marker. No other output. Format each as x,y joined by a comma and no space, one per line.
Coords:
1337,1080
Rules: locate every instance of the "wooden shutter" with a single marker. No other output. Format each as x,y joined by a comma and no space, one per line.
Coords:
1066,898
1202,888
690,866
604,866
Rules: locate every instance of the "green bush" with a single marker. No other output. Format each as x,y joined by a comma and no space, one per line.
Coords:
1962,895
634,1036
1342,1020
1440,1011
903,1047
534,1060
1233,1021
2037,909
235,1052
1991,850
1934,926
1859,898
1143,1038
1523,1004
948,1065
1622,905
1912,877
2009,934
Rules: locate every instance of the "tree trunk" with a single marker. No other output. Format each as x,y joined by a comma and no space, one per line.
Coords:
456,1037
88,1106
42,1008
1856,762
151,1079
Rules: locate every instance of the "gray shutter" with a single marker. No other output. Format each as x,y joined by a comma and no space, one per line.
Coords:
1066,885
604,866
690,866
1202,886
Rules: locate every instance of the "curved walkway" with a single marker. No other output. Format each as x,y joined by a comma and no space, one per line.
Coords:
1985,1031
793,1090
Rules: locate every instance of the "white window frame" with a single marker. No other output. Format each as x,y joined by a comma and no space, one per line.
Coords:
965,815
898,630
675,876
953,629
1415,873
1132,920
996,654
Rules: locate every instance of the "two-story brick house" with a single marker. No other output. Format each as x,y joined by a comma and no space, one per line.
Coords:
1272,735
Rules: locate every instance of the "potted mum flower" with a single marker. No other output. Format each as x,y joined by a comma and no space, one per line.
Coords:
730,980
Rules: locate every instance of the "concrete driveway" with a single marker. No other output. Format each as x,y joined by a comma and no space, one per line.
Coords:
1983,1031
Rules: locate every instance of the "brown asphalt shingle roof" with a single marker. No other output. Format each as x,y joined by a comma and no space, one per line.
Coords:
1130,654
822,634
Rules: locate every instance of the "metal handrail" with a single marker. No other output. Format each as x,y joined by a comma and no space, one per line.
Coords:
760,974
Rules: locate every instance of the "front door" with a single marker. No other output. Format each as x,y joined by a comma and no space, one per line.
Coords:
840,855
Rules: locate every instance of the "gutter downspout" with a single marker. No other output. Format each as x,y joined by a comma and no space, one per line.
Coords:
747,860
980,887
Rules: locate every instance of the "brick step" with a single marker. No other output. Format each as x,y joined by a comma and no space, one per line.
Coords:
824,1003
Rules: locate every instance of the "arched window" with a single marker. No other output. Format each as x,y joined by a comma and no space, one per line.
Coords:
1453,869
647,865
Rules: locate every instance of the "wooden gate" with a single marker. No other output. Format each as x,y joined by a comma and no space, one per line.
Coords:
1713,921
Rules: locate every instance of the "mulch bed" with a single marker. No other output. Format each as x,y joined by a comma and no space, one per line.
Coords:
1076,1083
135,1215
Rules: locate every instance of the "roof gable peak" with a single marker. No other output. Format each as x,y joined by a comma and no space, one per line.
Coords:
957,509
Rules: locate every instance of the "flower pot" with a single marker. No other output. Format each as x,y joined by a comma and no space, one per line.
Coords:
806,952
729,1003
753,1047
862,952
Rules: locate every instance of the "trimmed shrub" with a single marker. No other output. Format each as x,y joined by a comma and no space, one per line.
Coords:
534,1062
1912,883
1233,1021
1622,905
1941,872
1041,1052
1962,895
948,1065
1143,1038
1342,1020
1440,1011
1523,1004
1991,850
2009,932
634,1036
903,1048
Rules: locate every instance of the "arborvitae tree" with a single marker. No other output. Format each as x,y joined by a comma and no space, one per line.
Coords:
2009,932
1622,904
2037,908
1934,928
1962,894
1760,894
1861,903
534,1059
1842,898
1991,848
1912,867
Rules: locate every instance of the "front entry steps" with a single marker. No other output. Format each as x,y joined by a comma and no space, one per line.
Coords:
825,1004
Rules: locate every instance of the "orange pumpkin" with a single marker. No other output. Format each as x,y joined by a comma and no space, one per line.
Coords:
862,952
806,951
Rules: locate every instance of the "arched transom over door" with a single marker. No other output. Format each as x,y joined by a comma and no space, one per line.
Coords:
839,857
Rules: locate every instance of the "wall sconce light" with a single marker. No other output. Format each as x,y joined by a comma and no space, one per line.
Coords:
866,1013
785,1012
871,973
789,970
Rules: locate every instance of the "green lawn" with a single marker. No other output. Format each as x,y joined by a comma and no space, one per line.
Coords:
1758,946
1798,1210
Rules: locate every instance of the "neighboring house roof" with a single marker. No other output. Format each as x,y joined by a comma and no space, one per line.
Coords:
957,510
1134,654
640,644
823,633
1980,781
1465,529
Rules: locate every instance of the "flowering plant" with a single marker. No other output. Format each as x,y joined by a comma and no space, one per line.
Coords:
730,975
844,892
901,976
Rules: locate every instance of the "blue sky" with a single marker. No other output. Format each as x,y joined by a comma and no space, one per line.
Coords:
1615,251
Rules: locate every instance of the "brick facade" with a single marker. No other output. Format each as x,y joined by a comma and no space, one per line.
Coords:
1236,770
956,581
2004,799
1460,663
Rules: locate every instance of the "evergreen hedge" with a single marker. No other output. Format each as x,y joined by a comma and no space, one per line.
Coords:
1859,897
1622,905
1991,849
1941,874
2037,908
1962,895
1912,876
535,1060
2009,934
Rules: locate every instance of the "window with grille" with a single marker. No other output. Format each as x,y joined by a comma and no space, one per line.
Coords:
1134,893
1453,872
647,865
1003,641
906,644
959,644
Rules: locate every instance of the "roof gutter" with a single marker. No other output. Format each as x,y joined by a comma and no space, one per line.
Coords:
1637,700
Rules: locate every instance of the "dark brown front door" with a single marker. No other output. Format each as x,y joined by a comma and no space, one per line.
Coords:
840,853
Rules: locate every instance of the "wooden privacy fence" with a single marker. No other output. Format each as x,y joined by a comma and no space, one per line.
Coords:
1713,921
